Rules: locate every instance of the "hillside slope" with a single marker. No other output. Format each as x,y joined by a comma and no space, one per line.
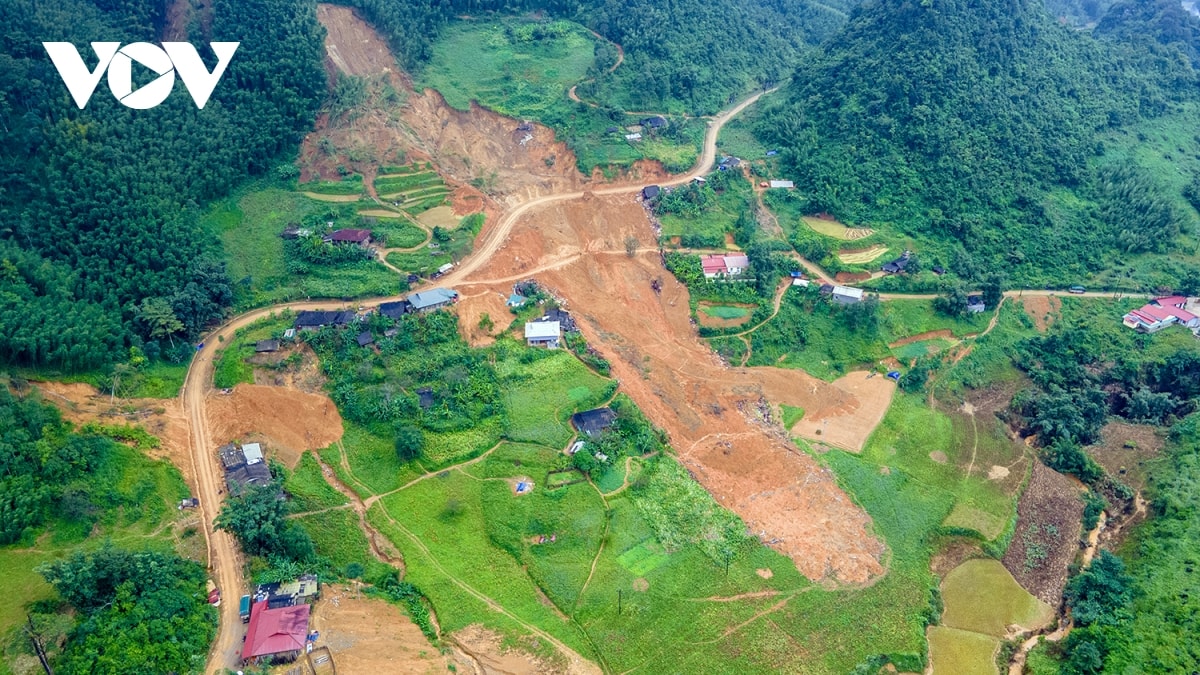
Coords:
976,123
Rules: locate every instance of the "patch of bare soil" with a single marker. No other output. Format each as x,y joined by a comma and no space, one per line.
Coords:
1043,309
287,420
479,651
847,424
764,572
927,335
295,366
472,306
1124,451
938,456
164,418
851,277
717,417
953,553
641,585
368,635
1047,535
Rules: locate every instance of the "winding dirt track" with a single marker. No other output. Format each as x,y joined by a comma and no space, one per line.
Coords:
224,560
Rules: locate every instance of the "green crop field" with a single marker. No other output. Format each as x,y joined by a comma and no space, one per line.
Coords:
962,652
981,596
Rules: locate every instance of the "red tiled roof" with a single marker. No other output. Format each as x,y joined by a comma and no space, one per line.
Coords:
351,235
272,631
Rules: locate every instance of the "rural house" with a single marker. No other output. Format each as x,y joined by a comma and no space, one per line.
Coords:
1160,313
975,304
434,298
633,137
562,316
897,266
543,334
365,338
592,422
303,590
785,184
394,310
650,192
729,162
243,466
846,295
315,320
726,265
266,346
655,122
275,635
360,237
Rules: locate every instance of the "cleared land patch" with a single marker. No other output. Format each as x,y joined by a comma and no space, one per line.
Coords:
981,596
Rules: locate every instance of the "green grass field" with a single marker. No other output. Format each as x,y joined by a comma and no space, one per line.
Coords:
524,69
249,224
960,652
981,596
725,311
232,368
791,415
541,395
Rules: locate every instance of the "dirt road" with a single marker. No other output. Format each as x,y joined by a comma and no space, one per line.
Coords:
224,560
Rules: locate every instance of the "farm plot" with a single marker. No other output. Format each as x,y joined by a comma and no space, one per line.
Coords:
961,652
863,256
981,596
832,228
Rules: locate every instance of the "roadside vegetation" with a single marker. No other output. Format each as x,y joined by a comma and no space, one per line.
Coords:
94,547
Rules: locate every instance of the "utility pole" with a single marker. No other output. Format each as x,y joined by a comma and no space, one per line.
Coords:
618,602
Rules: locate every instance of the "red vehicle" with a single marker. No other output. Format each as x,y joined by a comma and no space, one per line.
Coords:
214,593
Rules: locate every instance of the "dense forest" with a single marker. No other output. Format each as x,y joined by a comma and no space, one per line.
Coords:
100,247
977,123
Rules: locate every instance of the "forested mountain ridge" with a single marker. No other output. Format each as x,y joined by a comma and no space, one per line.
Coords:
100,248
969,122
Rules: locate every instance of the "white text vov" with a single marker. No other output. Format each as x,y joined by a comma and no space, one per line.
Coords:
171,58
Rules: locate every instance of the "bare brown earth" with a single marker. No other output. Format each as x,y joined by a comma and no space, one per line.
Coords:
289,421
81,403
848,423
471,307
372,636
305,376
718,418
1048,516
1042,309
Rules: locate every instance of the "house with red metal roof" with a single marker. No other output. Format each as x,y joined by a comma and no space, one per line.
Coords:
723,265
1160,313
275,635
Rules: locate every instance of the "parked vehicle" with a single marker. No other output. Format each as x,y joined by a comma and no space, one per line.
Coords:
1077,290
244,609
214,593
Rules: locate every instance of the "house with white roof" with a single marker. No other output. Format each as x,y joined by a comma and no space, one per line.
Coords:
543,334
